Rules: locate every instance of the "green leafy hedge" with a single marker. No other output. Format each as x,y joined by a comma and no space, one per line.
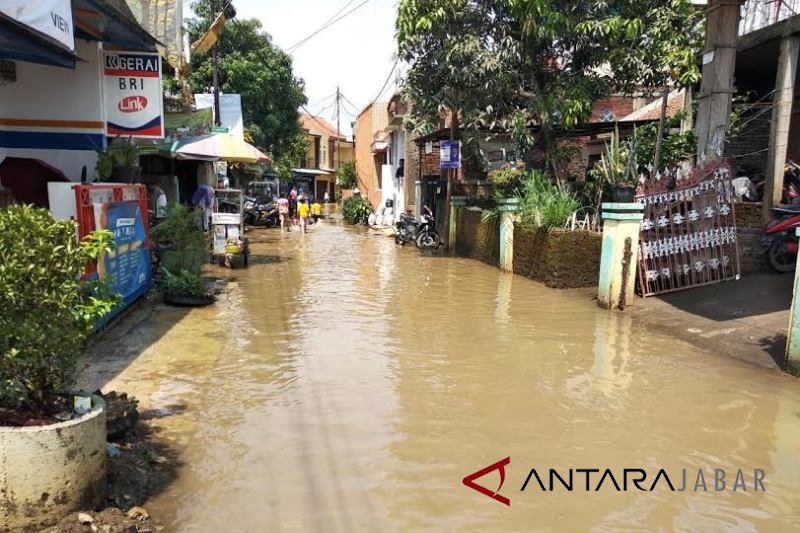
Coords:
46,309
356,210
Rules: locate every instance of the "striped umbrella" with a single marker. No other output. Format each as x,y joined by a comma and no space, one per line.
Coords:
219,147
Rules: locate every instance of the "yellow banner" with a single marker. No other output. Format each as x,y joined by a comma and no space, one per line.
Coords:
163,19
204,44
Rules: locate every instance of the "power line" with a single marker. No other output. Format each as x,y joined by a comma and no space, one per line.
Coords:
346,99
326,25
386,83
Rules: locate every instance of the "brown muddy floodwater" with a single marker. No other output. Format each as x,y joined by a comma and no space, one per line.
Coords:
343,384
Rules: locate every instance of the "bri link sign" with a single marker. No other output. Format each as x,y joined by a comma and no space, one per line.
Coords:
133,94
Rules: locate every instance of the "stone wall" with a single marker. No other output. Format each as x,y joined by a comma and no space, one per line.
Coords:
559,259
477,238
749,215
752,258
749,220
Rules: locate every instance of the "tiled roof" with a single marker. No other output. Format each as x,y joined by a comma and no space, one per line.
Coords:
652,111
319,126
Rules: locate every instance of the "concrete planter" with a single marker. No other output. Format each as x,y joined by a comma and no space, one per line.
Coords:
46,472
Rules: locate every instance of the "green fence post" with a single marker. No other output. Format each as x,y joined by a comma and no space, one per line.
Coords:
793,338
456,203
620,256
507,207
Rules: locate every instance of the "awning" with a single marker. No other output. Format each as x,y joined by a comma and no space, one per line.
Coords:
22,43
310,171
378,147
111,21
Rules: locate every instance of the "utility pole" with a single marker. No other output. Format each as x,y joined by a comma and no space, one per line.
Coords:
719,63
338,131
215,62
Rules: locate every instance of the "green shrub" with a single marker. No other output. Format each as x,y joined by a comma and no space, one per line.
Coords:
346,175
506,180
184,283
46,309
544,203
179,230
356,210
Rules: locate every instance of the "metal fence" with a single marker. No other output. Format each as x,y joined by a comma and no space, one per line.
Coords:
688,235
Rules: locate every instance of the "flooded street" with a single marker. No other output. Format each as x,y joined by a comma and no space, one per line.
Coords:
344,384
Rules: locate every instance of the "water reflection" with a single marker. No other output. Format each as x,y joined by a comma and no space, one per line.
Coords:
353,385
609,376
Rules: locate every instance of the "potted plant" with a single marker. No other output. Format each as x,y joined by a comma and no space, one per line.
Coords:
506,182
185,288
180,242
617,167
55,437
126,161
119,162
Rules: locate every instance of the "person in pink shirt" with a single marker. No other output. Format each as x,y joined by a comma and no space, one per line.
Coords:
283,212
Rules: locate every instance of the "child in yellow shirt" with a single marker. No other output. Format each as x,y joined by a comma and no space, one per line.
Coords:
303,210
316,211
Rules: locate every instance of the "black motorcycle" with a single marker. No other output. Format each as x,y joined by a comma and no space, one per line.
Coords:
423,233
260,214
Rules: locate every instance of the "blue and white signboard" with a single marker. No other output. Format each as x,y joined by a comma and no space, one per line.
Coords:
450,155
127,268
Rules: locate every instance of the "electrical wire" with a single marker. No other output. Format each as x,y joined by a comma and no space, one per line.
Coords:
325,26
386,83
346,99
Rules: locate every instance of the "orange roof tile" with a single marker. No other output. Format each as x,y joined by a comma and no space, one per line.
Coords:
652,111
319,126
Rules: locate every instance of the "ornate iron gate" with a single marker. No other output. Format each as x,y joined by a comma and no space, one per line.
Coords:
688,235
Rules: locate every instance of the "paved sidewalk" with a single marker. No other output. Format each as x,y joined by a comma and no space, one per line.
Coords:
747,319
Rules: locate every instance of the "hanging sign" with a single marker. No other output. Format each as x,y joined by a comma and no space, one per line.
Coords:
450,155
51,17
133,94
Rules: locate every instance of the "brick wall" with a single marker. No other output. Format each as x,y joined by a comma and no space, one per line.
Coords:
748,149
620,105
752,258
749,215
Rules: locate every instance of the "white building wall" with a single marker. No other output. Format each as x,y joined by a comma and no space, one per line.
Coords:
56,114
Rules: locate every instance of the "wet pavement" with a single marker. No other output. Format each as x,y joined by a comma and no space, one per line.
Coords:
344,384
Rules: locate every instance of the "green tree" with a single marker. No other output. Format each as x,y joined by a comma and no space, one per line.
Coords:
290,156
250,65
518,63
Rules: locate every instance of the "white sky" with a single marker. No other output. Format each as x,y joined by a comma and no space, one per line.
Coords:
356,53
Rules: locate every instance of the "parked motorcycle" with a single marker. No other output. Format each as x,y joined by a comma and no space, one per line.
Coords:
260,214
779,240
422,233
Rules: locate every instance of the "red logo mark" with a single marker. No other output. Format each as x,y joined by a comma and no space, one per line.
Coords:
132,104
469,481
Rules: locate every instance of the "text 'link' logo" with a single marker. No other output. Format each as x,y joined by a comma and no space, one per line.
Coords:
469,481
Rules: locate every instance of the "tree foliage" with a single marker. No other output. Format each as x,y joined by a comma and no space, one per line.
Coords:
250,65
347,175
518,63
289,157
